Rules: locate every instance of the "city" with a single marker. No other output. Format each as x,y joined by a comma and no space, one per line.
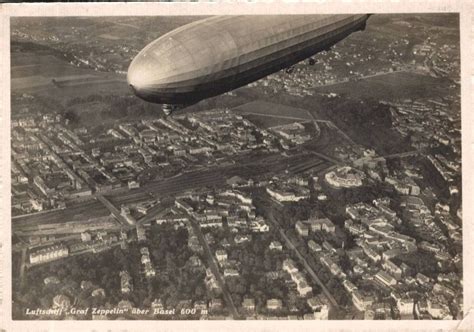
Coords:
330,190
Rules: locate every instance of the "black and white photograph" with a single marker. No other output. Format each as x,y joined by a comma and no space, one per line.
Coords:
236,167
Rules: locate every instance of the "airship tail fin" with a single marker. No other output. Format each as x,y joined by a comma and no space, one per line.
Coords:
364,24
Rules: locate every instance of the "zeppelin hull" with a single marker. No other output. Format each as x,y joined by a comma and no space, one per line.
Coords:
195,82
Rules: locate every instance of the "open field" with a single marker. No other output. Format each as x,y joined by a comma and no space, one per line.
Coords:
26,64
33,58
34,73
109,36
391,86
31,82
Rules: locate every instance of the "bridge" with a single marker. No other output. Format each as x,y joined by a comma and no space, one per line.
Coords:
113,210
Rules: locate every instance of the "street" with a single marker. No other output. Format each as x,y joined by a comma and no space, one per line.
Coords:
215,269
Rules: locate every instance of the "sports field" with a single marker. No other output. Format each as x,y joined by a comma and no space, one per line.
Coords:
266,114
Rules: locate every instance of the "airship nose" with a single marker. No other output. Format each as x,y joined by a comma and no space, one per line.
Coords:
133,76
138,78
140,72
145,75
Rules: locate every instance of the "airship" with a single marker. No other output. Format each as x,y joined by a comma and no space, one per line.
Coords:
217,54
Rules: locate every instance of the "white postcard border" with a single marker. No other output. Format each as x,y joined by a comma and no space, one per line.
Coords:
289,7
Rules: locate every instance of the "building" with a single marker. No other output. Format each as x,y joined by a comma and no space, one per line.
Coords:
392,268
369,314
61,302
297,277
98,292
133,184
200,306
385,278
259,226
86,237
52,280
274,304
275,245
141,236
344,177
248,304
422,279
231,273
321,313
50,253
237,181
328,247
149,270
157,304
125,282
362,301
443,290
239,238
221,255
238,195
353,228
181,204
303,288
215,304
405,303
349,286
287,196
302,228
289,266
321,224
313,246
438,310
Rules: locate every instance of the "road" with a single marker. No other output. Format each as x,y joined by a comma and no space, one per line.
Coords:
401,154
343,134
305,263
214,268
325,157
327,293
315,123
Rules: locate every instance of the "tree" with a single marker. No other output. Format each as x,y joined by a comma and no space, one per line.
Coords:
170,263
237,299
199,292
267,262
